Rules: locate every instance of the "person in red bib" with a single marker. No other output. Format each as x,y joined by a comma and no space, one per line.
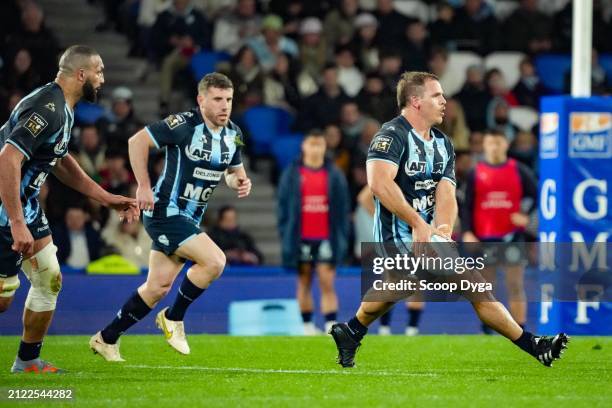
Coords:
500,193
313,218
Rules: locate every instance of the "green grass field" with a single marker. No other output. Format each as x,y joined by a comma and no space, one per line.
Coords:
301,371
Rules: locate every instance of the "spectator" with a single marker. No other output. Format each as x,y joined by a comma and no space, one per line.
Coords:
476,145
234,28
178,33
562,28
350,77
390,68
238,246
391,24
271,43
293,14
122,123
339,24
443,31
336,148
359,154
280,85
528,29
474,98
352,122
247,77
376,100
454,125
21,75
116,178
323,107
131,241
498,117
476,27
496,85
364,44
529,88
415,48
92,151
77,241
9,18
438,62
525,150
313,48
313,219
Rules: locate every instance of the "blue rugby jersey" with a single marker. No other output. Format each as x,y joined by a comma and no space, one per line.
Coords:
195,160
40,127
421,165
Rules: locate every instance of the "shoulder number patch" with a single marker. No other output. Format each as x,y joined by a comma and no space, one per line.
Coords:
174,121
381,144
35,124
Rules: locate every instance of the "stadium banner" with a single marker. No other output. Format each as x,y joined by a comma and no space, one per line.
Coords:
575,181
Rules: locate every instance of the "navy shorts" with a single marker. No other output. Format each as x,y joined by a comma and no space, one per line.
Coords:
10,261
315,251
169,233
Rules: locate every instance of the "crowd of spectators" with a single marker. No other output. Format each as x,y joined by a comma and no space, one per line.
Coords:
332,64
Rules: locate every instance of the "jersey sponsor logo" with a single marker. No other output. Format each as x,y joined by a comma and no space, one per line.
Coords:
197,153
438,168
162,239
50,106
226,158
197,194
425,185
424,203
174,121
381,144
208,175
35,124
414,167
590,135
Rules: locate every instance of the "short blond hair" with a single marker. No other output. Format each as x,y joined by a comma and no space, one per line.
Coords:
214,80
411,84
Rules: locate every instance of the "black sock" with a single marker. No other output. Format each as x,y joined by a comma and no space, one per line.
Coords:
132,311
358,330
331,316
187,293
414,316
525,342
307,317
29,351
385,319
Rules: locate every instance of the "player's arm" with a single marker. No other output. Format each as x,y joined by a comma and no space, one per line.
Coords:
68,171
10,180
446,207
139,146
366,200
236,179
381,180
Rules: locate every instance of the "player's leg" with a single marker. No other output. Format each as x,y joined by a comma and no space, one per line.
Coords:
414,306
490,275
163,269
43,272
329,300
385,323
304,296
515,277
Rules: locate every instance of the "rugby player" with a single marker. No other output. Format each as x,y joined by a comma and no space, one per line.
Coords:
201,146
410,169
34,142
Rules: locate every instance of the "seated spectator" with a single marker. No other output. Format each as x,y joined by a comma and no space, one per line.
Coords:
498,117
454,125
350,77
116,178
122,123
178,33
238,246
233,28
20,74
477,27
529,88
323,107
391,23
525,149
390,68
313,48
365,45
92,152
77,241
271,43
474,98
336,148
496,85
415,48
359,154
131,241
527,29
280,86
376,100
247,78
339,24
352,122
476,150
443,31
438,62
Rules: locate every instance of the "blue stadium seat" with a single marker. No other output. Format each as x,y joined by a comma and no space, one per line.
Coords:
264,124
265,317
205,62
551,69
87,113
286,148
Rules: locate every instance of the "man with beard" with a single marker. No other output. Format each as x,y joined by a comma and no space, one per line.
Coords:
34,142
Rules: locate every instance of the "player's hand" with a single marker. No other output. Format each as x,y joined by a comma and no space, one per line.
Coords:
519,219
421,235
144,198
244,187
443,230
468,236
129,214
125,206
23,242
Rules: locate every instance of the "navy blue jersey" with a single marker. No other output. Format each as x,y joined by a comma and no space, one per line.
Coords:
421,165
40,127
195,161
